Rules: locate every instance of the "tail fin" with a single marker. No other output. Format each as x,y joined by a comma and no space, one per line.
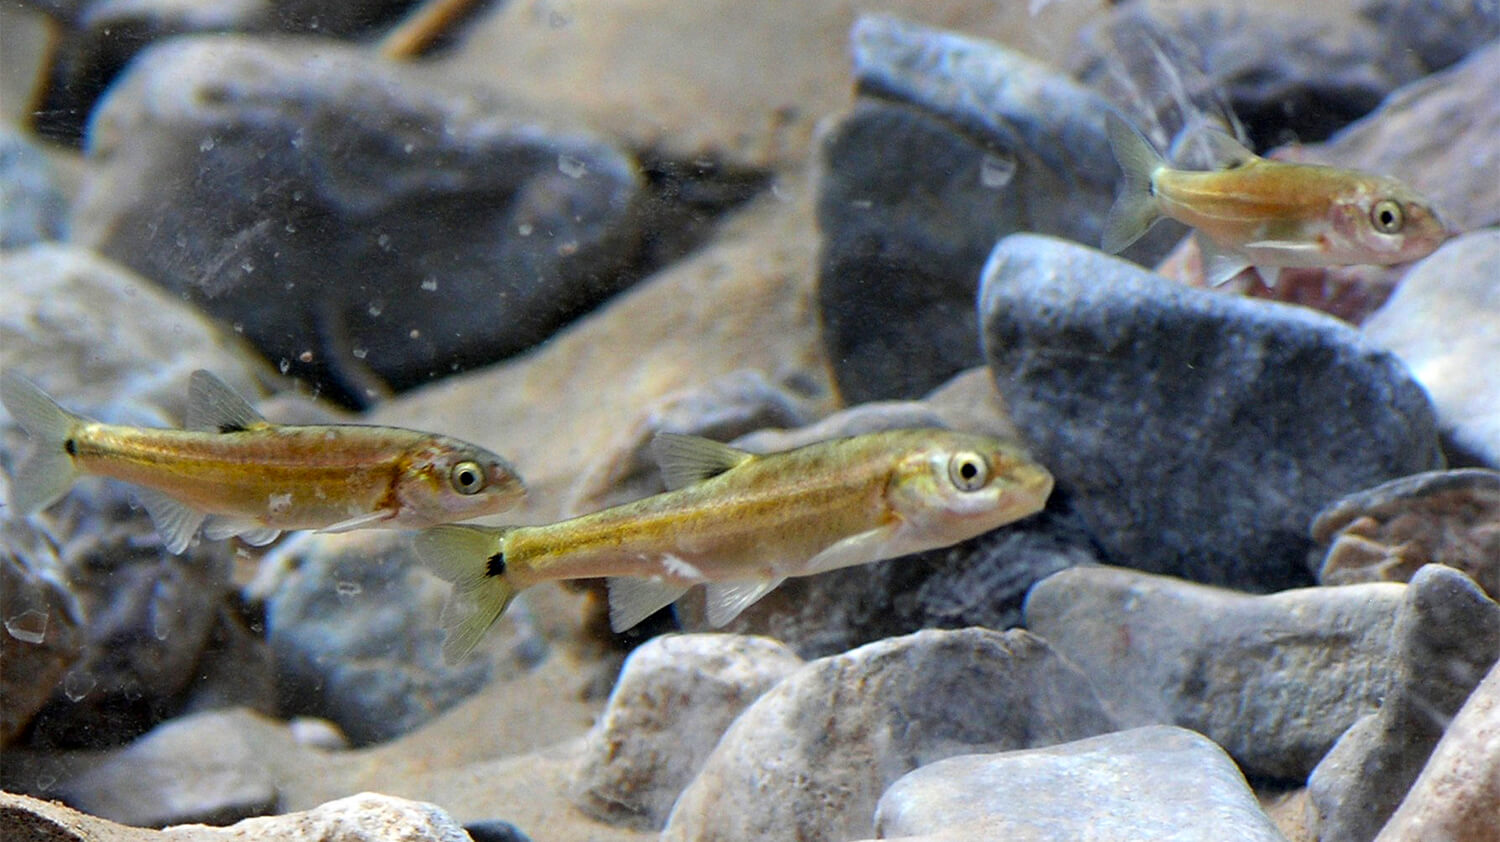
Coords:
48,471
473,559
1135,209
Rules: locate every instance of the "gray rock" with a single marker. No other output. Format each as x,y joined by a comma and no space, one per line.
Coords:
1439,32
1388,532
1447,636
349,241
31,205
1274,679
809,759
1197,433
199,768
1441,322
41,619
356,637
1144,784
1455,796
954,142
675,697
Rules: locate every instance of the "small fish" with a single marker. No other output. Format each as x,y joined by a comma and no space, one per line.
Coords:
740,523
1268,214
232,472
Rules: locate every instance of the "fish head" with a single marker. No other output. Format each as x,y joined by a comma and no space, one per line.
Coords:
1382,221
953,486
444,480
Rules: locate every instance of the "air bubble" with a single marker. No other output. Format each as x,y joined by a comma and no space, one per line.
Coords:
206,144
348,590
376,308
28,626
285,365
571,167
996,171
524,229
360,353
429,283
76,685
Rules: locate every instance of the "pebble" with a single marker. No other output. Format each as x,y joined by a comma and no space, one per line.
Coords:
1196,433
1447,636
1274,679
356,635
348,243
1388,532
675,697
1441,323
810,758
953,143
1152,783
32,208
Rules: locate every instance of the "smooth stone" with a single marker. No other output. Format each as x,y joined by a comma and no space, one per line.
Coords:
198,768
347,244
1455,796
810,758
953,143
1274,679
1441,323
495,830
32,208
1197,434
979,582
1440,32
675,697
1447,636
1388,532
356,635
41,617
1152,783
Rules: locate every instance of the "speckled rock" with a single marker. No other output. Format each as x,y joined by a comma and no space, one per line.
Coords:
41,618
31,205
954,142
357,637
1197,433
1455,796
809,759
1447,636
675,697
347,243
1274,679
1144,784
1387,532
1441,322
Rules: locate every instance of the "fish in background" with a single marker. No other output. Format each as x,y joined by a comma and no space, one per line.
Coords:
1251,211
741,523
232,472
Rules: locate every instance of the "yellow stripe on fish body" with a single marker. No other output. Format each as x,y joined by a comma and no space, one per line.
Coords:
741,523
234,473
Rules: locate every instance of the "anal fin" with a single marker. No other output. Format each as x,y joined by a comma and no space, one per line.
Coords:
176,521
726,600
632,600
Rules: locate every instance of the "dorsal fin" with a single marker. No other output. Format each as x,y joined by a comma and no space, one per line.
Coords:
1224,150
216,408
685,460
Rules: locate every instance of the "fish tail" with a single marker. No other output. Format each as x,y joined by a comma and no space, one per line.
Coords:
1135,209
49,470
473,559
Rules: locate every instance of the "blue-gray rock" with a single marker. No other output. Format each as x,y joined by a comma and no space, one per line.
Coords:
31,205
495,830
356,637
1439,32
1388,532
1447,638
1274,679
675,697
1442,323
368,227
1196,433
954,142
809,759
1141,785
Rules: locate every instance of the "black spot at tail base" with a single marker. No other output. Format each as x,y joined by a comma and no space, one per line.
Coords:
71,447
496,567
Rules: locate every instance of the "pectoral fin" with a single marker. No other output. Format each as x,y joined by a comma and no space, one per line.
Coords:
632,600
727,599
357,522
685,460
862,548
216,408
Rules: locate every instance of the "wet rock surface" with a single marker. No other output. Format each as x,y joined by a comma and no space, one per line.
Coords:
31,205
1388,532
810,758
1128,387
1143,784
1274,679
1446,638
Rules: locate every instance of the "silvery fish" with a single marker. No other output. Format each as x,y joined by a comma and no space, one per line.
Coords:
740,523
1268,214
232,472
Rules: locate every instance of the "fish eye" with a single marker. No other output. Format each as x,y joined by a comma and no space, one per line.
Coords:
467,477
968,471
1387,217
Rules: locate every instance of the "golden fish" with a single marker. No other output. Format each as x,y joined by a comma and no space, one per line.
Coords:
1268,214
235,473
741,523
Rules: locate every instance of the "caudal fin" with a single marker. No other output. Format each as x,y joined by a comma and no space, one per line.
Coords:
473,559
48,471
1135,209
